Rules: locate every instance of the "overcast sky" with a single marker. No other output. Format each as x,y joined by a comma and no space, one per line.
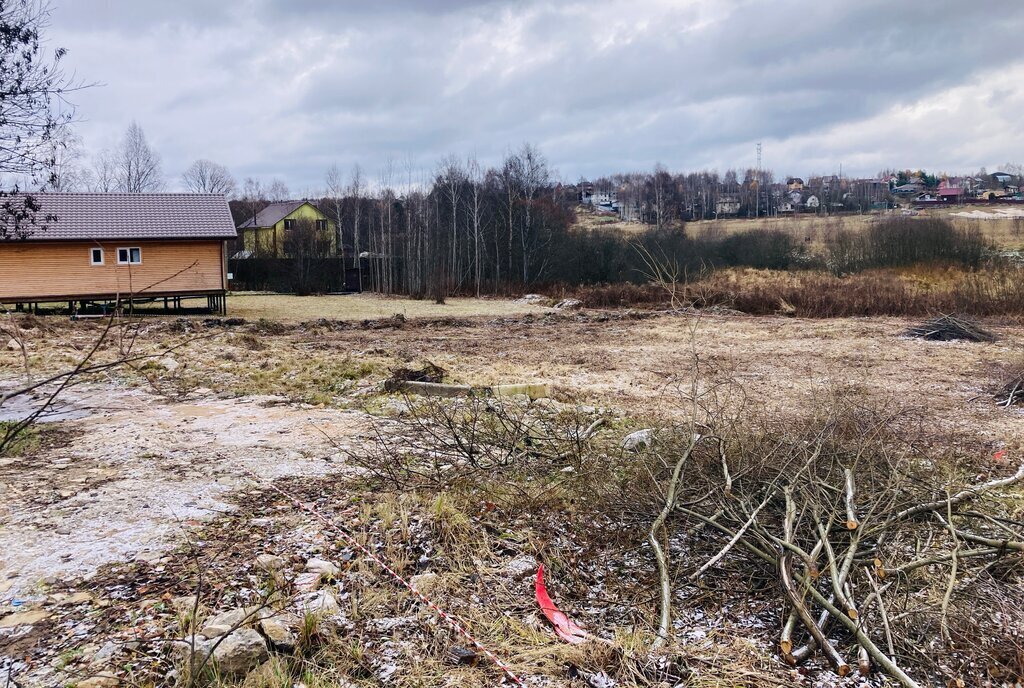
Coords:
285,88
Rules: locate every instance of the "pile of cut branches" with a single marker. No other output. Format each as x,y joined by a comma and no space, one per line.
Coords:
1012,392
876,548
429,372
947,328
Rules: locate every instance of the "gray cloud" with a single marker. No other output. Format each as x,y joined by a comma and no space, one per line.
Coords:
270,87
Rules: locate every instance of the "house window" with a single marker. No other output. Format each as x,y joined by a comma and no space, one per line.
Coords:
289,224
96,256
129,256
321,225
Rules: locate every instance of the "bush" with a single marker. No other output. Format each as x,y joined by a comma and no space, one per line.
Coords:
996,292
905,241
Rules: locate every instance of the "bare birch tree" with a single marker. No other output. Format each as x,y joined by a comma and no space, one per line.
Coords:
476,181
138,166
278,191
356,189
104,172
206,176
336,188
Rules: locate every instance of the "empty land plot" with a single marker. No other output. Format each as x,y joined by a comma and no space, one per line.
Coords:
164,458
366,306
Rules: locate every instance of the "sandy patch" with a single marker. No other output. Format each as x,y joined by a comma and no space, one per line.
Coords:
1000,214
137,468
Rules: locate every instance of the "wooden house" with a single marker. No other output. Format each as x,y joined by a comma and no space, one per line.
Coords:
90,248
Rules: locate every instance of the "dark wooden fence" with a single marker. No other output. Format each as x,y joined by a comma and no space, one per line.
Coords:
294,275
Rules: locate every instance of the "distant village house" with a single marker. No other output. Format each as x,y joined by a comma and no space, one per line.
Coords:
270,233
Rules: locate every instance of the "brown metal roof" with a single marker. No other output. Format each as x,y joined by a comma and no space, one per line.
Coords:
272,214
101,216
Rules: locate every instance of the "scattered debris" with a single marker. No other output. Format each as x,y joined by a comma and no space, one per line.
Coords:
592,680
564,626
462,655
308,581
434,389
568,305
26,618
424,581
226,622
641,439
324,568
269,563
322,602
521,567
99,681
947,328
1013,391
280,631
430,389
430,372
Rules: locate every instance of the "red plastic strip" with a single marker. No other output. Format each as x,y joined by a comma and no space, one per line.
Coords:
564,626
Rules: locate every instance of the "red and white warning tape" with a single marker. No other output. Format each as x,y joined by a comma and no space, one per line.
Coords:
340,530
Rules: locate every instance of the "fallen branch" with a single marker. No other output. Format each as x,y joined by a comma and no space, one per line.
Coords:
665,617
851,512
959,497
786,576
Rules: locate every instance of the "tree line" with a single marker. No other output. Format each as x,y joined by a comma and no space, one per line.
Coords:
467,229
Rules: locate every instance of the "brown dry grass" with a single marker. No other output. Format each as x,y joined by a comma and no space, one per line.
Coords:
919,291
915,292
605,359
289,308
1004,234
631,366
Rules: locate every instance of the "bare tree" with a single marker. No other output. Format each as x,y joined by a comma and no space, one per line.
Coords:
450,177
356,189
206,176
68,173
139,168
104,172
29,83
336,188
535,176
476,179
278,191
252,197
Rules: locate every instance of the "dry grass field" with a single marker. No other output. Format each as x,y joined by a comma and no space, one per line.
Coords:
153,484
1004,233
366,306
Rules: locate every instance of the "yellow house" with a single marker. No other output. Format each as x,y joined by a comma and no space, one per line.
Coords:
268,234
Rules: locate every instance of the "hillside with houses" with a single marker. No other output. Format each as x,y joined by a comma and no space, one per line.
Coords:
708,195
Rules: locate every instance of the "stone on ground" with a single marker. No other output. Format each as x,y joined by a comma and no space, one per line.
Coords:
641,439
240,652
280,630
521,567
324,568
